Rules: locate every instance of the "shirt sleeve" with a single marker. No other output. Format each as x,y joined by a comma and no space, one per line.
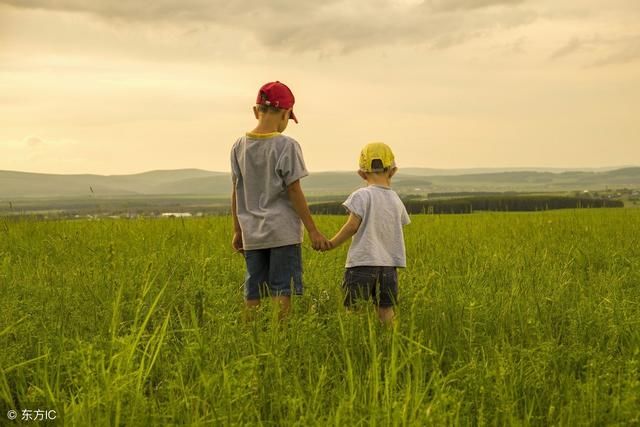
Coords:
405,216
290,166
356,204
235,168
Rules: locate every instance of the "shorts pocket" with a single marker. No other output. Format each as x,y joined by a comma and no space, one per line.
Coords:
360,275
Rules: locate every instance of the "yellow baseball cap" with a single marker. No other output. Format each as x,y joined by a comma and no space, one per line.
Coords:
376,151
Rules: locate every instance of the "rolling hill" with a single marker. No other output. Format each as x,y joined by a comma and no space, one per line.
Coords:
199,182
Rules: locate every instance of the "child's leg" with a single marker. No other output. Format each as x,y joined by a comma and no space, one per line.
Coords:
250,308
388,294
257,274
283,303
358,284
285,276
251,303
386,315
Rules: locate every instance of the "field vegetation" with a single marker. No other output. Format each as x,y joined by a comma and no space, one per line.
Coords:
504,318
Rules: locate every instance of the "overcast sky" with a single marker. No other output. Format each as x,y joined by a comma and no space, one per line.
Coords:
110,87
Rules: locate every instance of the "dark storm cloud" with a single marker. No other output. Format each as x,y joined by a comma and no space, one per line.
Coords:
331,25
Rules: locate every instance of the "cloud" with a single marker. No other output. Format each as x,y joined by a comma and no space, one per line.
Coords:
218,10
330,26
620,50
572,46
629,52
33,142
450,5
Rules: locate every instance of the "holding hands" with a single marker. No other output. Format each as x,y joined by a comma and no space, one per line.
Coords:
319,242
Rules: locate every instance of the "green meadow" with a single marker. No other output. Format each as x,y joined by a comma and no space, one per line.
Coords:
504,318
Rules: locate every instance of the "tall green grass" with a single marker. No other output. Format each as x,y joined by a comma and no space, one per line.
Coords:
526,319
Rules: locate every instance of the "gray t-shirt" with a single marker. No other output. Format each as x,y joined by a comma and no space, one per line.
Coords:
262,167
379,240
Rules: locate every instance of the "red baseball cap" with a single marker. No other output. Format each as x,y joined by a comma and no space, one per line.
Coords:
278,95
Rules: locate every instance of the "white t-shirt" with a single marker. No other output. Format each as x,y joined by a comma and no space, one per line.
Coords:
379,241
262,167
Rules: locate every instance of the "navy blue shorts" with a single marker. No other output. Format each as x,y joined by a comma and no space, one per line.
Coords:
377,283
273,272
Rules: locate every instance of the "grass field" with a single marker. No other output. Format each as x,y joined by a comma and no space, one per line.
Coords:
526,319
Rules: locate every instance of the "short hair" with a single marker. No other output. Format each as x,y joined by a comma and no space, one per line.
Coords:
377,166
265,107
262,108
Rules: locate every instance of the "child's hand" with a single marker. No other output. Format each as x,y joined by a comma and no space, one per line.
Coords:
236,242
318,241
329,247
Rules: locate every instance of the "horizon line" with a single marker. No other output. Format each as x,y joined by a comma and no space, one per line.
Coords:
489,168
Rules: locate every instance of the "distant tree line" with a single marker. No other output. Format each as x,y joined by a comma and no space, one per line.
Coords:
486,203
457,194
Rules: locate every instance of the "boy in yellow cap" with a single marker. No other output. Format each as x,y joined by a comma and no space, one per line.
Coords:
376,218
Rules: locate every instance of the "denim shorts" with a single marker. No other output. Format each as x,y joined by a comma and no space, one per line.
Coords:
273,272
377,283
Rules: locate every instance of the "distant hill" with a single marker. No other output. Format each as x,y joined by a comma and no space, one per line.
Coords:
475,171
411,180
27,184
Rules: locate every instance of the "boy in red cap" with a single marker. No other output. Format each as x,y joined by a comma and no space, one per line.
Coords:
267,202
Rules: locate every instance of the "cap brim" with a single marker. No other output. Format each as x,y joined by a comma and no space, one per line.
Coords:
293,117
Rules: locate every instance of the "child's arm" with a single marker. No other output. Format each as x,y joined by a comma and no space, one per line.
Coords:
347,231
237,231
299,202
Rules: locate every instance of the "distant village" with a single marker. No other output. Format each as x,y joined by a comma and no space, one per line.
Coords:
176,209
632,195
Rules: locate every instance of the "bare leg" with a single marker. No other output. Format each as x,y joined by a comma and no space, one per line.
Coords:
251,303
250,306
386,315
284,306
